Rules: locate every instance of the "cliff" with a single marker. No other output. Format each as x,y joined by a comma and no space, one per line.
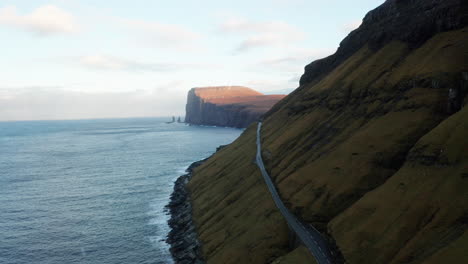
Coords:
410,21
231,106
370,149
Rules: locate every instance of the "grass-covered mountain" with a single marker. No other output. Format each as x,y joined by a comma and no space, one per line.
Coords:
372,149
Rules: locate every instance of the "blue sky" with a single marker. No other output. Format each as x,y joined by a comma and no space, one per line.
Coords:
71,59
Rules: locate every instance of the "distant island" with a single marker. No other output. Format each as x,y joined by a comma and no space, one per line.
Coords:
228,106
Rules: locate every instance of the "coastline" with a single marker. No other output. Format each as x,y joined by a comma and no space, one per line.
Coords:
183,238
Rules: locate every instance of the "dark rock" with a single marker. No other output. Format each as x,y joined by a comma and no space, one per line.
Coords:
183,237
409,21
220,147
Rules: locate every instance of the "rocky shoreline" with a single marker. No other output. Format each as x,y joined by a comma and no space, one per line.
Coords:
183,238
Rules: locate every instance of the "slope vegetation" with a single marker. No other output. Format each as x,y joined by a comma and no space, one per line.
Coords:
371,150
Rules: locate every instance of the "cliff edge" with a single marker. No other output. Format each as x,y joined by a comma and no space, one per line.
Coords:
229,106
410,21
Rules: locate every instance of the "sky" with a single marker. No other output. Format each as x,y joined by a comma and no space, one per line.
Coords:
79,59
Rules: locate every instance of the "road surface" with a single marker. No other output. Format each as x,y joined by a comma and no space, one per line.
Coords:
309,236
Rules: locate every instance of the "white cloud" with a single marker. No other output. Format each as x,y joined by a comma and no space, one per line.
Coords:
258,34
298,56
241,25
112,63
279,86
104,62
350,26
265,39
163,35
291,62
101,62
48,103
45,20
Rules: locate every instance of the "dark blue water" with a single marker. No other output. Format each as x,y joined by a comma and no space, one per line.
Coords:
93,191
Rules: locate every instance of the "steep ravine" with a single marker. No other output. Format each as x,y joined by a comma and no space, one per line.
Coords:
370,149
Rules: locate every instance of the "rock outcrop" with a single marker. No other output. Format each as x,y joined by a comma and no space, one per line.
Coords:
370,149
409,21
229,106
183,238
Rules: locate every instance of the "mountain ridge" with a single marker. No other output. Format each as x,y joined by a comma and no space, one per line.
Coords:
369,149
409,21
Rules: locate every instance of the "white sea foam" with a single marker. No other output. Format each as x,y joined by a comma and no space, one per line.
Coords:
182,170
157,221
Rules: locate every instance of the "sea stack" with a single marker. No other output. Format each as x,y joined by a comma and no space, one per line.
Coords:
228,106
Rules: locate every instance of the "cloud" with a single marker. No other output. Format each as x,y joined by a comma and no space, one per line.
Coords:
163,35
261,34
49,103
295,58
350,26
104,62
43,21
295,79
266,86
282,60
112,63
265,39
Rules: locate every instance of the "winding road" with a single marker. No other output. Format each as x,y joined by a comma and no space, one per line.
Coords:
309,236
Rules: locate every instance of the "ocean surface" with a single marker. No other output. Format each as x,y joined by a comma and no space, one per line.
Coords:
93,191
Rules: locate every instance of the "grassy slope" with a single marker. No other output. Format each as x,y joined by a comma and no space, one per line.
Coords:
236,218
338,152
298,255
420,209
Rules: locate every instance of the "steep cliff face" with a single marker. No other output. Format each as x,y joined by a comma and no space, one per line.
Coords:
410,21
232,106
371,149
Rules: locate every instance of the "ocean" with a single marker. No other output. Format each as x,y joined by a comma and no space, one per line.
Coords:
93,191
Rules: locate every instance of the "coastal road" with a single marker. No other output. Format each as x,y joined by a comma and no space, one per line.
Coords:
309,236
